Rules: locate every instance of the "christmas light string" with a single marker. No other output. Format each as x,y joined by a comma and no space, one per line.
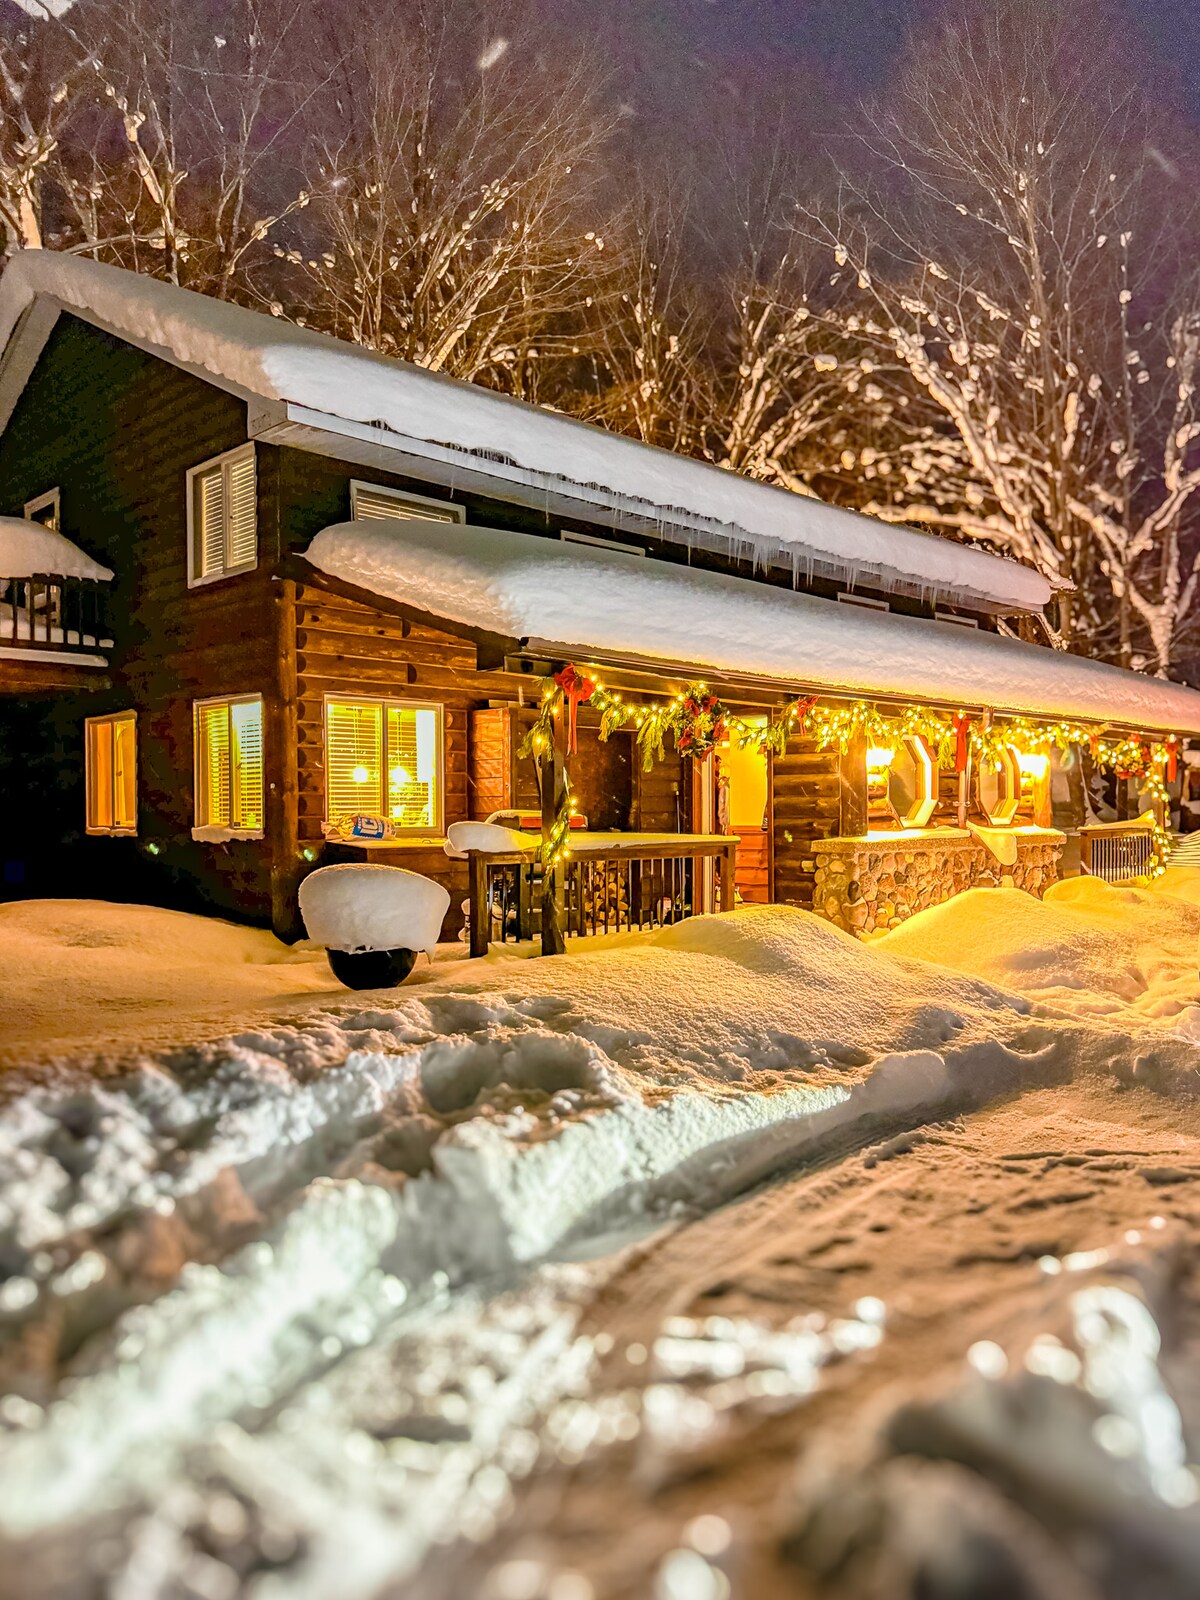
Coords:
698,720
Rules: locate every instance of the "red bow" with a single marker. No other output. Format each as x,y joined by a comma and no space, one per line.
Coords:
1172,760
576,690
962,744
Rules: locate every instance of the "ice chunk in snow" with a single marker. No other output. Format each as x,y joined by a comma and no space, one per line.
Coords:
361,907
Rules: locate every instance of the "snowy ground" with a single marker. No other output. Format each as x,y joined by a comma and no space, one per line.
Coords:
438,1289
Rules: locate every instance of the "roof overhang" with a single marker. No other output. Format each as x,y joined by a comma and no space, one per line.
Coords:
563,601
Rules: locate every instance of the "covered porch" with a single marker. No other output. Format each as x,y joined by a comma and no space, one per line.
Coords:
901,758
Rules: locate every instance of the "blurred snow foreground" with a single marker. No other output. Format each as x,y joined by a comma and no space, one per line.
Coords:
297,1311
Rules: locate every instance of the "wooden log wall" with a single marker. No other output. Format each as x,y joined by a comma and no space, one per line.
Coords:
805,805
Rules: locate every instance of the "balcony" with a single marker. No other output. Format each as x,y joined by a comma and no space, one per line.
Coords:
54,633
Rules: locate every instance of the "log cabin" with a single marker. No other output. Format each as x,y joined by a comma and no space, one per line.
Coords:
269,600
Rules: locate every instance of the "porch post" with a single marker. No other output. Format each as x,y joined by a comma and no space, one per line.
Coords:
553,778
852,789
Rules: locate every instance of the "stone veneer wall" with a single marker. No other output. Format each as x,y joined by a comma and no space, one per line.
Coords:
866,885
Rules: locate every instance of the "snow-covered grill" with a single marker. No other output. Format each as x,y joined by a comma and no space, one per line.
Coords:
1116,852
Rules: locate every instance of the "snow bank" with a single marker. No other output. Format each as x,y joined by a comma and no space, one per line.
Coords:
360,907
27,548
490,433
1091,947
579,599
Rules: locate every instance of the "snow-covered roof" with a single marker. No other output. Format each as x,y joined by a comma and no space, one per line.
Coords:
28,549
470,435
595,603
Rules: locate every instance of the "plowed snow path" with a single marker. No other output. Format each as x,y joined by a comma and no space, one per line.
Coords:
965,1234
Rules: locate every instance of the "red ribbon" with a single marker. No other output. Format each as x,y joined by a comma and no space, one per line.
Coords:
1172,760
576,690
962,743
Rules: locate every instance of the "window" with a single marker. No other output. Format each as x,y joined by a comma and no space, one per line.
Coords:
45,510
383,758
998,787
865,600
569,536
110,767
371,501
222,517
229,766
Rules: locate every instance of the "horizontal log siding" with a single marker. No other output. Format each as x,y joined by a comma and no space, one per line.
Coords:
349,649
116,431
805,806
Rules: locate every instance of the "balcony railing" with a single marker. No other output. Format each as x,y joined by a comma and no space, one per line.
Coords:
49,612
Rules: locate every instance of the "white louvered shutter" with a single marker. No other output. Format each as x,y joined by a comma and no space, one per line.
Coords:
208,514
241,542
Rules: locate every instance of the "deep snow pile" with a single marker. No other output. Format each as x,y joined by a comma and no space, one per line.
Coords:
88,972
210,1261
1089,947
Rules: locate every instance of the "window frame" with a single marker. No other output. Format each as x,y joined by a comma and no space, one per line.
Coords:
1004,814
209,832
52,497
108,719
447,510
434,830
195,578
865,602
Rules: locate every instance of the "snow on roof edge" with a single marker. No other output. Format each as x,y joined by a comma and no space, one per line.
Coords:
280,361
592,600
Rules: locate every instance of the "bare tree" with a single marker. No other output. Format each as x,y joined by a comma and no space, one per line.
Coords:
993,276
454,178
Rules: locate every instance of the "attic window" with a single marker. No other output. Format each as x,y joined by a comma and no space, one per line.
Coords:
229,768
110,769
222,517
864,600
371,502
45,509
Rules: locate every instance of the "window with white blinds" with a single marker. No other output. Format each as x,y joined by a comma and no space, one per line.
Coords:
371,501
229,764
222,516
383,758
110,769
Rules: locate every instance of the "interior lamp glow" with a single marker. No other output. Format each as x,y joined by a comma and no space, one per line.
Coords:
1033,766
361,775
880,758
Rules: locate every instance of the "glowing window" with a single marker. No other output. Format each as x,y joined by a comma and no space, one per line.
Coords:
383,758
998,787
45,509
110,766
912,782
229,764
222,517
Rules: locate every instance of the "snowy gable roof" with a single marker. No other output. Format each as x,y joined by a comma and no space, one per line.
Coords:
569,599
27,550
325,386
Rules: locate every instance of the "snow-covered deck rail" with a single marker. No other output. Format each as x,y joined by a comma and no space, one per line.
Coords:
612,883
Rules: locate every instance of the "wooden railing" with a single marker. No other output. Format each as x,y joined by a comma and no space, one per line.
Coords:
48,612
1116,851
634,886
